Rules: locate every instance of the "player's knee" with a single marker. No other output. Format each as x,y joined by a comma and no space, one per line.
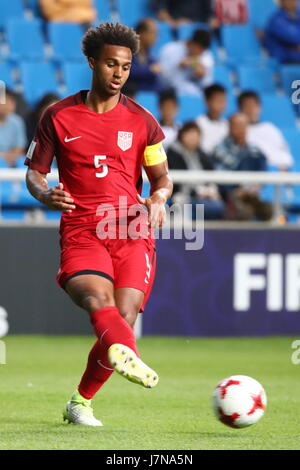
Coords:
96,301
130,314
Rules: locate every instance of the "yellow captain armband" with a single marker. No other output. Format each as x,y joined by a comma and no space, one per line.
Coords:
154,154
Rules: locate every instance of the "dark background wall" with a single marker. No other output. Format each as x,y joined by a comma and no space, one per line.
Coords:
193,293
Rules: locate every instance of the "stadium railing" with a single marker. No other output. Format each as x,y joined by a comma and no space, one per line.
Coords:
277,179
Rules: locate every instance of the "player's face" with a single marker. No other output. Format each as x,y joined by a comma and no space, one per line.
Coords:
252,109
111,69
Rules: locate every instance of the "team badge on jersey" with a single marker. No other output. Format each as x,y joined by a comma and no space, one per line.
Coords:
125,140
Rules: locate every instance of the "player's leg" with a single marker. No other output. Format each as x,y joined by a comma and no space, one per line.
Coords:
124,360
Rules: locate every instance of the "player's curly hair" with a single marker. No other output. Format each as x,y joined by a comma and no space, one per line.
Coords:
114,34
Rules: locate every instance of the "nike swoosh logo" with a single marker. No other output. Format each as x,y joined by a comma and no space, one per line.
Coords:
72,138
102,365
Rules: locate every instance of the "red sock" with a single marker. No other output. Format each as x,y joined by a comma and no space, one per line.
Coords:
97,372
110,328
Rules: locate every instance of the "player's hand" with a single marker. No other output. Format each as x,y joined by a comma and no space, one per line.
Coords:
57,199
155,205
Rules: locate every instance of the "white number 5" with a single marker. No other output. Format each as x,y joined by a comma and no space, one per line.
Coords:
103,166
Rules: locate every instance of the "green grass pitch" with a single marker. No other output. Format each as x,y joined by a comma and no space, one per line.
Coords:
41,372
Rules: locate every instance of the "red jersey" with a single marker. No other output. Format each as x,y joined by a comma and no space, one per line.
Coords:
99,155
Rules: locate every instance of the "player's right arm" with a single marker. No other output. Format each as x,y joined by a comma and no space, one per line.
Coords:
54,198
39,159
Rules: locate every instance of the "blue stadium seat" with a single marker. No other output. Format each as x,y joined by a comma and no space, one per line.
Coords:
231,105
240,43
278,109
38,78
132,11
222,76
34,6
103,10
65,39
13,214
259,79
6,74
148,100
185,31
288,74
164,36
260,11
10,9
25,39
52,215
292,136
77,77
190,107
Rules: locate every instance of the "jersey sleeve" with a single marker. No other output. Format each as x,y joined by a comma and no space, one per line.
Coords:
42,149
154,154
154,131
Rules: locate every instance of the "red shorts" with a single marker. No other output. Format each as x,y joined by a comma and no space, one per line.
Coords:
126,263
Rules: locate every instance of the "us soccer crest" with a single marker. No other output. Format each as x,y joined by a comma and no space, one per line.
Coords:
124,140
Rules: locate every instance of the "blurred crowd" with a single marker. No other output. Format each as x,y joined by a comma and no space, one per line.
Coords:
240,142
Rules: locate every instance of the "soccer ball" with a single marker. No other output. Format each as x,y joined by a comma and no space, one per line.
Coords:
239,401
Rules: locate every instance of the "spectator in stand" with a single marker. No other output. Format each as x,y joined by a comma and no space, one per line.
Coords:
168,107
264,135
230,12
186,154
187,66
69,11
34,117
145,71
282,35
12,131
214,128
177,12
235,154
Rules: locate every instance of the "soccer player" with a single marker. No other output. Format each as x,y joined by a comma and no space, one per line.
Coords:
101,140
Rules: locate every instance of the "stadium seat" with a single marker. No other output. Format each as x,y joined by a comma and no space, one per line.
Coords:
222,76
25,39
292,136
231,105
77,77
148,100
241,43
13,214
38,78
190,107
103,10
288,74
6,74
259,79
132,11
260,11
33,5
164,36
52,215
185,31
65,39
10,9
279,110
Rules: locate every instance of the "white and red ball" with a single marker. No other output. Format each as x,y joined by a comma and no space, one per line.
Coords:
239,401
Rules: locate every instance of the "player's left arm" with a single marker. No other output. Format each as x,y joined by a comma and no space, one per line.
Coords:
161,186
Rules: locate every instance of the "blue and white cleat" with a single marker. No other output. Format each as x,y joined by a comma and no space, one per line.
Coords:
126,363
79,411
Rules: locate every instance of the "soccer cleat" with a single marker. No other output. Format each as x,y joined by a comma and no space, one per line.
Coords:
126,363
79,411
